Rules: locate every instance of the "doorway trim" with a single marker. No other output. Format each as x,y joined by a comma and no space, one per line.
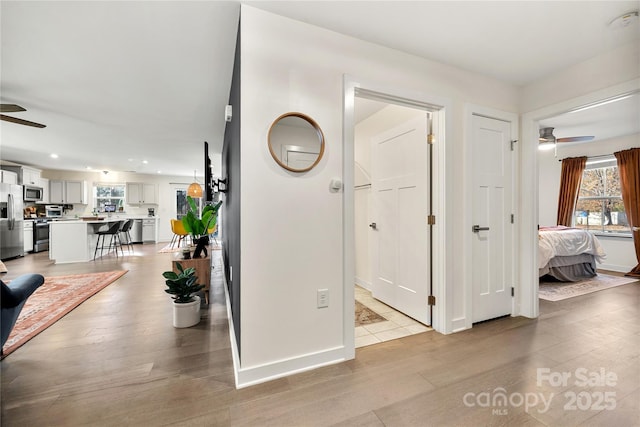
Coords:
471,110
442,127
528,249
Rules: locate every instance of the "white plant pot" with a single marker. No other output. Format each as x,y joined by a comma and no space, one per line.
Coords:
186,314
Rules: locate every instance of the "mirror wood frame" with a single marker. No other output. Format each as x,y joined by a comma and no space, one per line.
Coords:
309,120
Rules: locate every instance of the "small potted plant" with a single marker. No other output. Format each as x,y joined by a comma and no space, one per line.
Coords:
199,226
186,305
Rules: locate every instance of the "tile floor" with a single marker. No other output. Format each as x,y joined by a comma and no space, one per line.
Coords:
396,326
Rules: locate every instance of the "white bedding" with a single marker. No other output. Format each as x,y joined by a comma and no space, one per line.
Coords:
566,242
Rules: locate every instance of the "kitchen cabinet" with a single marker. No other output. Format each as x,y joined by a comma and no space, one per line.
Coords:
44,183
149,230
28,236
26,175
68,192
8,177
140,193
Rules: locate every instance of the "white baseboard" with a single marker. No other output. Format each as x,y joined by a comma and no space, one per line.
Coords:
252,375
459,324
363,283
613,267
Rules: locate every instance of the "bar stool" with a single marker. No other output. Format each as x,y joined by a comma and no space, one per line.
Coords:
124,231
113,231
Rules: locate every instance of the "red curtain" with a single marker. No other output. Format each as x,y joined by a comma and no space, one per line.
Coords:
629,168
570,179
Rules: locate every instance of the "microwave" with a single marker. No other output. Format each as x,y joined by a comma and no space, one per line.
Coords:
32,193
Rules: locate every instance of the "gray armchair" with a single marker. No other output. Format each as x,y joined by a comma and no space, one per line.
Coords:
14,295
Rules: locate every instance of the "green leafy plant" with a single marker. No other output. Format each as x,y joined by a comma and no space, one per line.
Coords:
182,284
198,226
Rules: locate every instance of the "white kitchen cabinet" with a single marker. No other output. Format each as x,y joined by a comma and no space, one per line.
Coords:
68,192
30,176
149,230
140,193
8,177
26,175
44,183
28,236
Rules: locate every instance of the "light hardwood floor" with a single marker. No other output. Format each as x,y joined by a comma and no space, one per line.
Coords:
116,360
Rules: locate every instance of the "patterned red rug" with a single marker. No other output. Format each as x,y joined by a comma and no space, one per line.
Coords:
51,301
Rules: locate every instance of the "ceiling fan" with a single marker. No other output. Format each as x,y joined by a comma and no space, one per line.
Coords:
547,137
13,108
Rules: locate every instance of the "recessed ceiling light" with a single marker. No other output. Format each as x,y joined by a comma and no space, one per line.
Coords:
145,162
89,168
159,171
53,155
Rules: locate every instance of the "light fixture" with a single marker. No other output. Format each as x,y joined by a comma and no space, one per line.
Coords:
194,190
604,102
624,20
547,141
53,155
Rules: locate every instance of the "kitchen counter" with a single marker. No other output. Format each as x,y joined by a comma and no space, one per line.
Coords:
74,240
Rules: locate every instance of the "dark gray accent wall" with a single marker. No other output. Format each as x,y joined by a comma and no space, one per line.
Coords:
231,205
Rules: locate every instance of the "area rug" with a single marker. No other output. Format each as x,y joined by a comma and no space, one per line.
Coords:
169,249
557,291
54,299
366,316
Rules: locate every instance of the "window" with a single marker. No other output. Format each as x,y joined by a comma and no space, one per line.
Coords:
108,194
600,207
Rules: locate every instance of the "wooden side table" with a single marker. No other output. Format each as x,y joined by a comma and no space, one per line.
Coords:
203,271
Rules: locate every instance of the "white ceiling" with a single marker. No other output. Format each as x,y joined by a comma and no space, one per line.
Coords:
149,81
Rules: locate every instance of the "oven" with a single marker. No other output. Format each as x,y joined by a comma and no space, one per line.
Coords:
40,235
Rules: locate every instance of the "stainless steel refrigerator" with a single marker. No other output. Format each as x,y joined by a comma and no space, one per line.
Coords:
11,221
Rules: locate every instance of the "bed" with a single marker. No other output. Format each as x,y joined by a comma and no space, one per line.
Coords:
568,254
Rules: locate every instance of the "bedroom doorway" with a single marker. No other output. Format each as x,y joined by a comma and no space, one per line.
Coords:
492,218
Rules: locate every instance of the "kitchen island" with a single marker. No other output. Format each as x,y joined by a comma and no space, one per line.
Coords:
75,240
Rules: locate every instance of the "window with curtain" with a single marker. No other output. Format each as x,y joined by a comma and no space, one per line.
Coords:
108,194
600,207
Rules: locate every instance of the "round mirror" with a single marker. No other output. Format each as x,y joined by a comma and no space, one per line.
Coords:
296,142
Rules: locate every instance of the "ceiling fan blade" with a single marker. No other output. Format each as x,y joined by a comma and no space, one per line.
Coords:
10,108
575,139
20,121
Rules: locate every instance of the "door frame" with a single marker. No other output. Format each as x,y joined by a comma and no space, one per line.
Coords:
528,249
511,118
442,184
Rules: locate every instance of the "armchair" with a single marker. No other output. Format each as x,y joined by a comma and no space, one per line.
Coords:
14,296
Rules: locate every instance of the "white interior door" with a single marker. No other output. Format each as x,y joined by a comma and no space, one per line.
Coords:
400,201
492,247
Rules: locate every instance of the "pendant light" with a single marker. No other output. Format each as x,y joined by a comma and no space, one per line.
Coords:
194,190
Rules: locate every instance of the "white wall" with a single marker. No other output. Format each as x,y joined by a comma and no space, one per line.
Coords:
602,71
292,236
164,209
620,251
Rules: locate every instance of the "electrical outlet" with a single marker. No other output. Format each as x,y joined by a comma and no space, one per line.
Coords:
323,298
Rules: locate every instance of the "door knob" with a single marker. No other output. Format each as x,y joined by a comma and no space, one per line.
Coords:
373,225
477,229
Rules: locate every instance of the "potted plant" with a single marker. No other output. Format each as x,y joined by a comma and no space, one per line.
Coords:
198,226
186,305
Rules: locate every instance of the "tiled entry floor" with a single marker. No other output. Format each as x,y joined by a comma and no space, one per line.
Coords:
396,326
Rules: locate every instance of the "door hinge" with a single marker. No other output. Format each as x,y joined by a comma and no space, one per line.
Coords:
431,138
431,220
513,291
512,218
431,300
513,141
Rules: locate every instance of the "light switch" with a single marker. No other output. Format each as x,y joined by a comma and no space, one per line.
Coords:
323,298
